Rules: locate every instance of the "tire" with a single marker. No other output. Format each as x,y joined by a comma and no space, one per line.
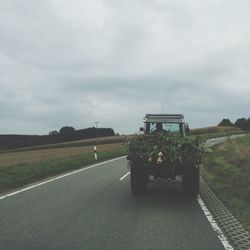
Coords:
191,180
138,178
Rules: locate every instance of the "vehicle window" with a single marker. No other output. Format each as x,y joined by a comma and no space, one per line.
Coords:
167,127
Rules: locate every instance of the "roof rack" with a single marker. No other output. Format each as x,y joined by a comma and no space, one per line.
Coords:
167,118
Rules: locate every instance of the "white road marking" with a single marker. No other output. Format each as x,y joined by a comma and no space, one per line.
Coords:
124,176
59,177
214,225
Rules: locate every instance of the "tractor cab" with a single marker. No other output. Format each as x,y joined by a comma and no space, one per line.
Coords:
164,123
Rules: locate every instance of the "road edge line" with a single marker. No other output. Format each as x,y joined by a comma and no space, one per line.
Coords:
216,228
59,177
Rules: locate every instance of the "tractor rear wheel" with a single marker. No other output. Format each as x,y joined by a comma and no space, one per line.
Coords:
138,178
191,180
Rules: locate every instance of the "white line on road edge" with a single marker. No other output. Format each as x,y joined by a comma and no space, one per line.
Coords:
124,176
59,177
214,225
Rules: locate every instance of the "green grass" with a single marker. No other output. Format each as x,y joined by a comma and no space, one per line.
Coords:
213,132
227,172
13,177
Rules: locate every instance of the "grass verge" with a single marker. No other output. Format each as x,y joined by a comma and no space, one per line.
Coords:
227,172
19,175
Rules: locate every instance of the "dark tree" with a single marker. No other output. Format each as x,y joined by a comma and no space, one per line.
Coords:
65,134
248,124
67,130
54,132
226,122
68,133
242,123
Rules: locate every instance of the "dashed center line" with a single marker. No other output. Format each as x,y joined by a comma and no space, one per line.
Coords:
124,176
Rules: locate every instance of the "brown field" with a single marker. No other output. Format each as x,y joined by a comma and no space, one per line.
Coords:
22,157
67,149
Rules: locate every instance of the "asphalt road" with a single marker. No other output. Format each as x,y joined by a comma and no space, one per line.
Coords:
219,140
94,209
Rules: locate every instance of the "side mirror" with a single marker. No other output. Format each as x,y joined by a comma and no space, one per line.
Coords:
141,129
187,129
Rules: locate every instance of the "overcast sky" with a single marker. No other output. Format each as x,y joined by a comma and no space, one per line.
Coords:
74,62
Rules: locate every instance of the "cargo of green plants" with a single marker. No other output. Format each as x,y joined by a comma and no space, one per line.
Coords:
171,149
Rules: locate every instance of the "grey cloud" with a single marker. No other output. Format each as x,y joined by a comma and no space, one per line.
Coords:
113,61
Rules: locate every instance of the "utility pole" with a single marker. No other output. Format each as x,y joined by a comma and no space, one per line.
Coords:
96,136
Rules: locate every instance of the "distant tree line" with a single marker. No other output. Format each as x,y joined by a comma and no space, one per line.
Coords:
242,123
65,134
